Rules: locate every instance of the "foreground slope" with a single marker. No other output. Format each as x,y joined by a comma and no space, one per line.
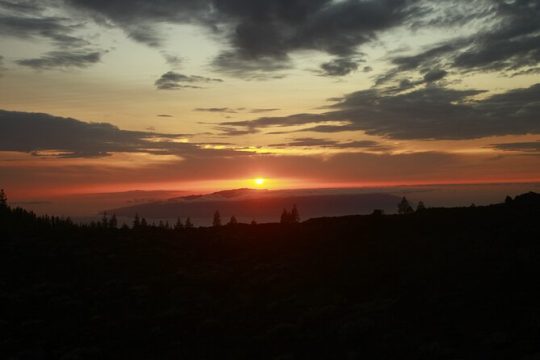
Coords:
438,284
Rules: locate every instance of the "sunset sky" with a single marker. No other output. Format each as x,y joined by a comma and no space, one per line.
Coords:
193,95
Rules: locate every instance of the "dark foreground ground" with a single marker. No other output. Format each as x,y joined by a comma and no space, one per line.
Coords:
439,284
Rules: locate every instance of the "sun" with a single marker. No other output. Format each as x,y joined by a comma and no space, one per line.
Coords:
259,181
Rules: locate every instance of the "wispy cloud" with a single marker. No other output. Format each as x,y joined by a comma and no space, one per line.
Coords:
328,143
174,81
217,110
339,67
527,146
63,59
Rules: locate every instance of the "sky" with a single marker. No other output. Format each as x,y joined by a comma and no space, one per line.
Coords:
191,95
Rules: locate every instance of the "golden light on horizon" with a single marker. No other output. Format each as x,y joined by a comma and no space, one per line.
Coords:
259,181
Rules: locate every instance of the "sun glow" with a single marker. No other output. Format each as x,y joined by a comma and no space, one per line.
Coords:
259,181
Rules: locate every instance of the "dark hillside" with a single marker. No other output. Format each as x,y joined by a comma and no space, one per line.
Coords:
444,283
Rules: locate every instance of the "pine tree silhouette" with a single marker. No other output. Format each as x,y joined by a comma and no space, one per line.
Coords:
3,199
178,225
113,222
217,219
136,222
285,216
295,215
404,207
104,220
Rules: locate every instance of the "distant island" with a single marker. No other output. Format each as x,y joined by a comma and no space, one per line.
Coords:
259,205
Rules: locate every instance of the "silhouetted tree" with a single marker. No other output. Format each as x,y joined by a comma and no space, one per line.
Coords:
295,215
285,217
113,222
178,226
136,222
3,199
420,206
233,220
217,219
253,222
4,209
290,217
189,224
404,207
144,223
508,200
377,212
104,220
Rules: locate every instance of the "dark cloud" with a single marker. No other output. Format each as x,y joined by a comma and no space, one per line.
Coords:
339,67
261,34
36,132
511,44
330,128
531,146
47,135
2,68
509,40
435,75
307,142
428,113
292,120
139,18
429,78
235,110
145,34
27,20
531,71
362,144
271,30
26,7
217,110
427,57
63,59
327,143
423,61
173,81
233,131
257,68
263,110
164,115
173,60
